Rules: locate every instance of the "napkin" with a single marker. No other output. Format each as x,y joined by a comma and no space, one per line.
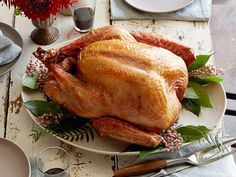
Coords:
4,42
8,50
199,10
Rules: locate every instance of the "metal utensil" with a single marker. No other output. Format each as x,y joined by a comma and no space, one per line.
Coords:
202,156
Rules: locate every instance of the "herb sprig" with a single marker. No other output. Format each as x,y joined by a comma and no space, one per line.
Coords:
37,134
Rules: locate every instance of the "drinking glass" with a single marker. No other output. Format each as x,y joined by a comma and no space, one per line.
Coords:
83,13
53,162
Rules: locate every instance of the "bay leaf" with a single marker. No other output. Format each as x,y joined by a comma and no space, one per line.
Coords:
201,91
200,61
206,80
192,133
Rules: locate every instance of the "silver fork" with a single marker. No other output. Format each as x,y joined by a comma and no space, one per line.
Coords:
206,155
201,156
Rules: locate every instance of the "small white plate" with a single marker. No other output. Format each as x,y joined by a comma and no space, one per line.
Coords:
159,6
12,34
13,161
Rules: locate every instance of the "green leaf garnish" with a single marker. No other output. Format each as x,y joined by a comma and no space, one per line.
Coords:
192,133
206,80
144,153
200,61
30,81
38,107
204,99
193,107
190,93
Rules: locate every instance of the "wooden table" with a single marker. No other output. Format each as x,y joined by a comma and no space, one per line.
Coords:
15,123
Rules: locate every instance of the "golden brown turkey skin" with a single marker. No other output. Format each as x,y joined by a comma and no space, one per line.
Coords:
120,74
133,81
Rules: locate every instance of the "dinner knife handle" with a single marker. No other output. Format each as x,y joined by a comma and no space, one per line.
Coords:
140,169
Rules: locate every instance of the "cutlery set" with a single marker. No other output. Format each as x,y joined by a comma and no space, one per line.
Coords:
200,154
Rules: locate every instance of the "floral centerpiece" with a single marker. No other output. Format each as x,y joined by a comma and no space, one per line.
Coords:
42,13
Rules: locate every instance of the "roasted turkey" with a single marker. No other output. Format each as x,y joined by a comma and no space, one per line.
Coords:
129,84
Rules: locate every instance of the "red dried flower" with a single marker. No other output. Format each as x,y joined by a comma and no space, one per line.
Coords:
40,9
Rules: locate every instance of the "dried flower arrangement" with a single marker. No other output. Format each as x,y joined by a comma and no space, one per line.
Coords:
42,13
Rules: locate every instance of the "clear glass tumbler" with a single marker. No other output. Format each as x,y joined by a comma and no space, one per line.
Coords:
83,13
53,162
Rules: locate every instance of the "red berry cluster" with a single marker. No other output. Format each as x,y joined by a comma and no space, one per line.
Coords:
42,76
36,68
49,118
31,68
172,139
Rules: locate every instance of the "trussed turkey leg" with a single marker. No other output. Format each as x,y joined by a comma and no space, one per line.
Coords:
52,57
47,56
124,131
183,51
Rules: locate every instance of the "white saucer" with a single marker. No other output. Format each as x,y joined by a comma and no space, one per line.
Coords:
13,161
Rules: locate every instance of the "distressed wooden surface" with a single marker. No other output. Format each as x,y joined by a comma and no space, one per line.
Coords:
19,124
196,35
4,80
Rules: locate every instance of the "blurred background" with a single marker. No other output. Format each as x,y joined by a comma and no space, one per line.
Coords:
223,31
